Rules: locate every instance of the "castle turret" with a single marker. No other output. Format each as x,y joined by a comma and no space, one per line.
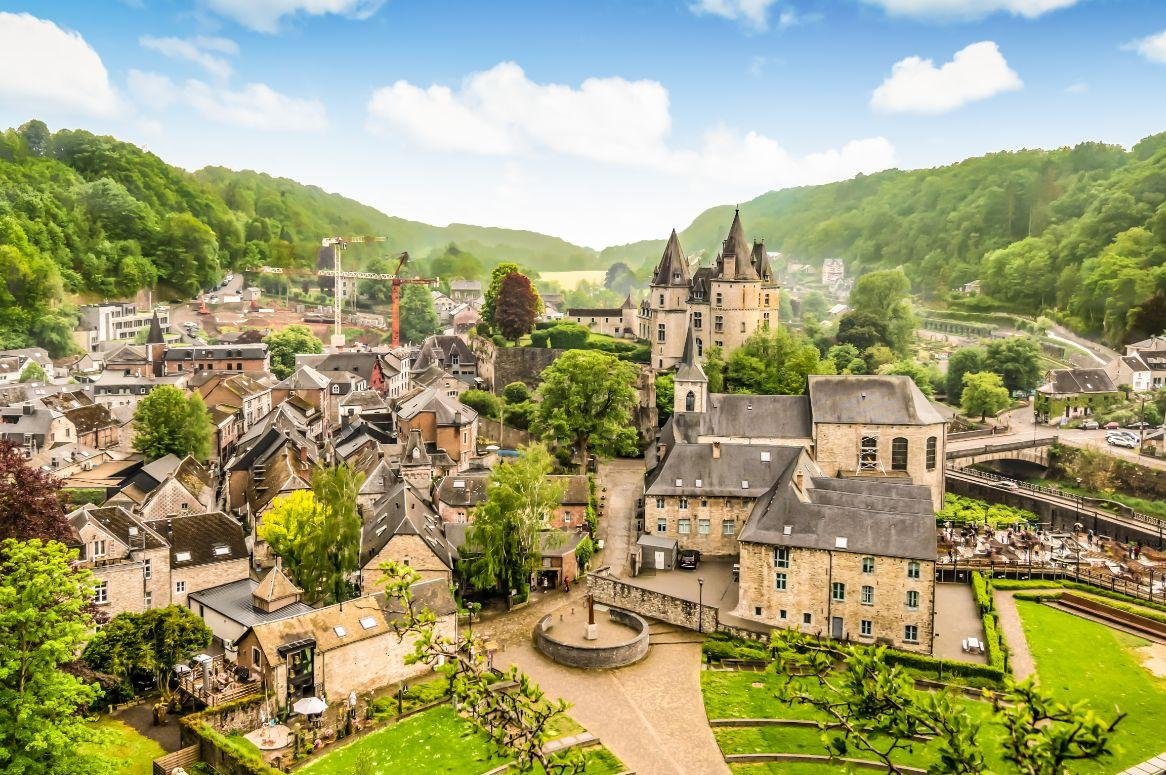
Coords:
691,385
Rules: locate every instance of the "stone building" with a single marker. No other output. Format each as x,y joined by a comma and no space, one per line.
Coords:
402,526
129,561
620,323
443,421
722,305
206,550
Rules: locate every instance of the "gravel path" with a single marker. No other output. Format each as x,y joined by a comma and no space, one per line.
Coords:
1022,663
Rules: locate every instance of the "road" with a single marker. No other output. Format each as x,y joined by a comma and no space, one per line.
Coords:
621,483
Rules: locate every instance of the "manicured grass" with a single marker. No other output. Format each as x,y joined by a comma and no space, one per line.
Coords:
437,740
122,748
731,694
1079,659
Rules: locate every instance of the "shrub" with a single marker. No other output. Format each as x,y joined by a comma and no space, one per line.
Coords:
568,336
521,415
516,393
946,669
485,404
584,552
961,510
641,354
499,340
994,643
539,338
981,592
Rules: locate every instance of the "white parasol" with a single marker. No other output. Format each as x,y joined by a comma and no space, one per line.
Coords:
310,706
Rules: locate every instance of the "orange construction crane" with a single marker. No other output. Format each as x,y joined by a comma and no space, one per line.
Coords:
395,296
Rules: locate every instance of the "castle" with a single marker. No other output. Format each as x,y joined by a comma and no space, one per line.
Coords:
722,305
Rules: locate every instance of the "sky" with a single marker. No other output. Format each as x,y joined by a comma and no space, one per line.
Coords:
599,121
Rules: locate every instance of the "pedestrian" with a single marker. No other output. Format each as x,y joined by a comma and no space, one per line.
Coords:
567,583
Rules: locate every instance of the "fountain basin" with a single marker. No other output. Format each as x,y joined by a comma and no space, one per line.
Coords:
621,638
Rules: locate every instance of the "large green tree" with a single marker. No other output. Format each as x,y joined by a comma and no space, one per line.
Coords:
516,307
775,362
168,422
490,297
984,394
418,315
884,296
153,642
502,543
587,401
287,342
43,623
1017,361
965,360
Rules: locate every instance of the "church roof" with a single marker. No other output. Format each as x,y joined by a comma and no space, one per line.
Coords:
155,335
673,266
689,369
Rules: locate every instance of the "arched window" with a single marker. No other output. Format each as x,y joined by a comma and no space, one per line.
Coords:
699,347
899,454
931,449
690,402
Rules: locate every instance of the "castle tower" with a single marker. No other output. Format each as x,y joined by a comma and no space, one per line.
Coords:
667,325
690,383
736,297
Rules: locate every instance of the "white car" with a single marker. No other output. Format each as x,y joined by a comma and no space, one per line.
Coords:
1123,441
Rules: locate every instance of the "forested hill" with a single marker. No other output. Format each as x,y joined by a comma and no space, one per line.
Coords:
100,218
1080,229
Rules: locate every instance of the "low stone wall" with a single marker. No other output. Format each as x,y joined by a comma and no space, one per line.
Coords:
1143,623
574,655
504,435
210,730
655,605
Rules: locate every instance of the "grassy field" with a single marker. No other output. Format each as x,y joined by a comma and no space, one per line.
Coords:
125,750
1077,658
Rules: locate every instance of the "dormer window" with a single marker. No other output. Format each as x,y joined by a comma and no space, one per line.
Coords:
182,557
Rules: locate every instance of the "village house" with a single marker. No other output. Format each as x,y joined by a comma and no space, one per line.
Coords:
13,364
188,488
402,526
457,494
345,648
1069,393
206,550
1152,353
450,353
442,421
93,424
230,609
217,357
130,562
252,396
469,291
618,322
1133,371
33,427
115,322
440,380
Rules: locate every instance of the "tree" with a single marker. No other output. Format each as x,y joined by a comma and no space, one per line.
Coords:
43,623
483,402
665,395
963,361
34,372
923,376
30,501
883,295
317,533
516,393
1017,361
418,315
502,542
984,394
566,335
516,307
620,278
714,369
153,641
587,400
862,330
187,253
167,422
283,346
775,362
490,297
815,305
872,707
847,359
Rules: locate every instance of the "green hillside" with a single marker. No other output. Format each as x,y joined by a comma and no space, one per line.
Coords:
83,215
1079,232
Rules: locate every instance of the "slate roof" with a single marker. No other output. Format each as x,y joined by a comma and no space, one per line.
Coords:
558,543
465,285
673,266
742,416
365,399
403,511
869,399
737,246
303,378
598,312
234,601
440,349
118,523
415,453
209,538
448,411
275,585
861,516
689,369
738,464
1135,362
204,352
1070,381
576,491
463,490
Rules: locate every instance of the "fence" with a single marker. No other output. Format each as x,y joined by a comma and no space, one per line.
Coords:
183,757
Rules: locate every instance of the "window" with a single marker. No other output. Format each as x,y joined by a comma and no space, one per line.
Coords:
340,631
256,656
659,503
780,557
757,610
99,548
660,332
699,347
684,526
148,600
661,525
765,320
368,622
838,592
779,581
931,445
718,302
661,300
566,517
912,570
868,564
868,595
868,453
336,389
703,526
697,320
767,302
807,618
147,569
101,593
911,633
781,614
899,454
865,628
728,527
704,502
690,402
718,323
182,557
683,502
912,599
179,587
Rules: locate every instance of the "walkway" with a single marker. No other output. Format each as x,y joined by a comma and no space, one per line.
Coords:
1021,658
1149,767
624,483
956,618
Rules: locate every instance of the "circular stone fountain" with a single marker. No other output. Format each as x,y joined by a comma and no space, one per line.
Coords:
592,636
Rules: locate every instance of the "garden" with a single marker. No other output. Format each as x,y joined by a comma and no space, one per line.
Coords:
122,749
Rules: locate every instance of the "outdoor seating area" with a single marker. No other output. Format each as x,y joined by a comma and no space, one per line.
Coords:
972,646
212,681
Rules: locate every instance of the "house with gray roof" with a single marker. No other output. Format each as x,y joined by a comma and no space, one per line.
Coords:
230,609
1073,393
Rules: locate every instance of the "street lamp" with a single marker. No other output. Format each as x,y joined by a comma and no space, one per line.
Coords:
700,605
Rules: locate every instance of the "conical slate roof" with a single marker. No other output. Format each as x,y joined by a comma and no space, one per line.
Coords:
155,335
689,369
761,261
737,246
673,266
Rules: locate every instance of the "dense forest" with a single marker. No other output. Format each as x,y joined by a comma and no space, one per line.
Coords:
1078,232
84,217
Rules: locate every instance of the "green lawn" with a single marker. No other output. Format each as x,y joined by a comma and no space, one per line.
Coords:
1077,658
122,748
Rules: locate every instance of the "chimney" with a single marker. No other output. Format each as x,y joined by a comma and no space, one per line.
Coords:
660,450
716,450
798,481
28,409
303,453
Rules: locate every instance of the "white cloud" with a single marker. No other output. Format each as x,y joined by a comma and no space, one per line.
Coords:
753,13
1151,47
500,112
969,9
255,106
1077,87
151,90
265,15
45,67
196,50
916,85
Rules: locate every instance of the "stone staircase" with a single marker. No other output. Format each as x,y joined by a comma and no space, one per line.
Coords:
663,634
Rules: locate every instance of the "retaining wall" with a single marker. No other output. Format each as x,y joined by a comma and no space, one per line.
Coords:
655,605
595,657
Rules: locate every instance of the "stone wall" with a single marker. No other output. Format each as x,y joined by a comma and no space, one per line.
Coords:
502,435
521,364
837,446
594,657
715,510
654,605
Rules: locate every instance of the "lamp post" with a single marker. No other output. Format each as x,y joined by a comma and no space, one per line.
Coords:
700,605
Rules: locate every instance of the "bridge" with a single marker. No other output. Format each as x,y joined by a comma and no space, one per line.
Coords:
1034,450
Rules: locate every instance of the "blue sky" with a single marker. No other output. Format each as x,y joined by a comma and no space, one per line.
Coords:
598,121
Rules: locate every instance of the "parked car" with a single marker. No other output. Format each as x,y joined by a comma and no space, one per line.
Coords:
1112,425
1123,441
1137,426
1090,425
688,560
1008,484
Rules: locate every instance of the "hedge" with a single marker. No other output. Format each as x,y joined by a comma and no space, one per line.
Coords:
994,646
946,668
248,761
981,592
